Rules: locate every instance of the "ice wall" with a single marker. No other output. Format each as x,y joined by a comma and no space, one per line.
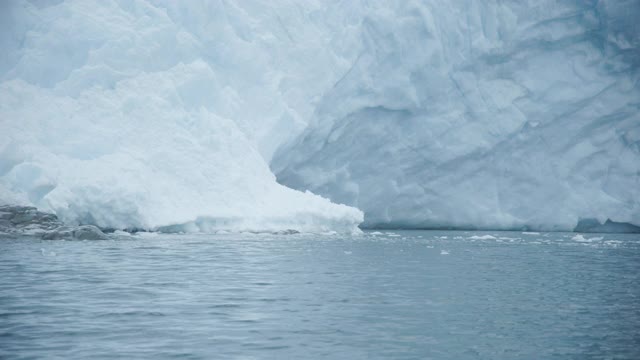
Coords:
482,114
478,114
135,114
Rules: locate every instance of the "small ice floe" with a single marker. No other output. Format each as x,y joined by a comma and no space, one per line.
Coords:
390,234
612,243
443,237
530,233
348,252
376,233
444,252
581,238
483,237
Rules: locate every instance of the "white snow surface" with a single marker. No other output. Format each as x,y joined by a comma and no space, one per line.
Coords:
129,114
176,115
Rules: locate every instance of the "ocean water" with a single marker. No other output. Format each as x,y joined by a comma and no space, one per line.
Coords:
386,295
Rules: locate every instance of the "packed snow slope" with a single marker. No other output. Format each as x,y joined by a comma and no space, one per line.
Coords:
175,115
128,114
482,114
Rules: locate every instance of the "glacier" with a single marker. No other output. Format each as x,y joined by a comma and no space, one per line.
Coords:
269,115
482,115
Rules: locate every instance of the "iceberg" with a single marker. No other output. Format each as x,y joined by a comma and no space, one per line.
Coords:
268,116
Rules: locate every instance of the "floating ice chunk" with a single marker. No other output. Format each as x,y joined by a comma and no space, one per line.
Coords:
579,238
444,252
482,237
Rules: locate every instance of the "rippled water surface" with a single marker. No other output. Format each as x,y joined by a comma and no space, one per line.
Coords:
400,295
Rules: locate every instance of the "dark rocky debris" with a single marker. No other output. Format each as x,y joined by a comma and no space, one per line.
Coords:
16,221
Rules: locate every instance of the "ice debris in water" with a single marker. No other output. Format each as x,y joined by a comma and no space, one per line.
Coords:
581,238
482,237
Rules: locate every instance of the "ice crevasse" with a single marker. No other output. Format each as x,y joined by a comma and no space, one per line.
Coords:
181,116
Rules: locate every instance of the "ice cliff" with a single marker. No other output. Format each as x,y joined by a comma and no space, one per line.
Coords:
176,115
482,114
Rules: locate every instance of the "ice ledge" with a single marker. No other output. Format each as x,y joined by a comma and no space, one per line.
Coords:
301,223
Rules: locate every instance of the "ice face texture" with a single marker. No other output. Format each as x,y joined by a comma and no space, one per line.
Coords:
482,114
175,115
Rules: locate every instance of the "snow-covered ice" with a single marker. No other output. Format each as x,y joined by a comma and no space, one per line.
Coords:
143,115
174,116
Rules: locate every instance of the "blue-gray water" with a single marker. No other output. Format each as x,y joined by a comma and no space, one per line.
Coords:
408,295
